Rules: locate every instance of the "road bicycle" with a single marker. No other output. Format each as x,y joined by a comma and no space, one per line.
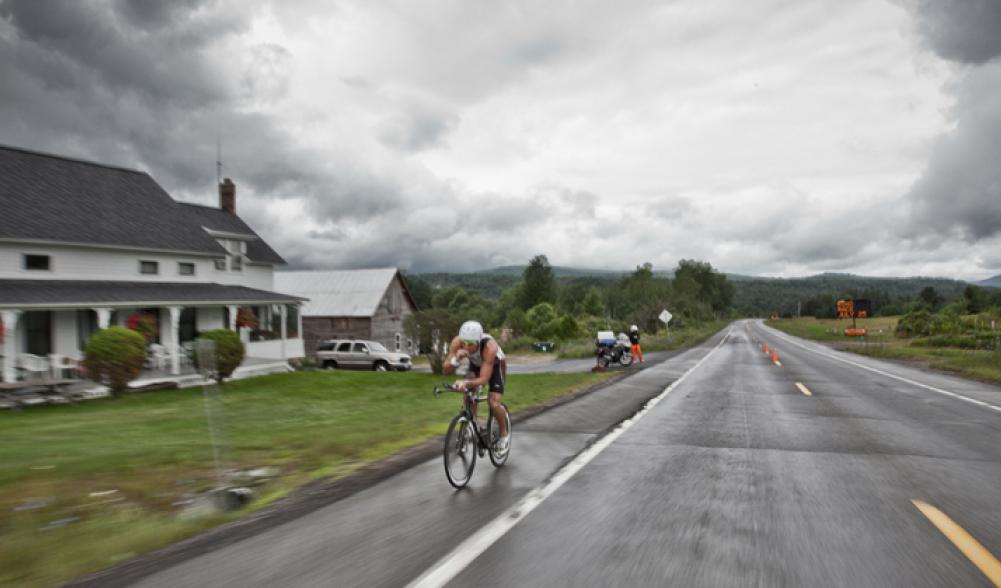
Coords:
465,438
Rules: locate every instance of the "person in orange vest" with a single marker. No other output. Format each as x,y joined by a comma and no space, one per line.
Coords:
634,339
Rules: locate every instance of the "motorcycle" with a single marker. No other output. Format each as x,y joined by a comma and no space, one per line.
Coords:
610,349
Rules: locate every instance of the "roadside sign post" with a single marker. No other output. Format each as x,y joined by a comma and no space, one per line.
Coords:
665,317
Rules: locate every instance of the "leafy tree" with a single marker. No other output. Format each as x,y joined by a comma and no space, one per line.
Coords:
915,323
540,314
420,290
567,328
433,330
976,299
592,304
114,356
538,283
931,298
517,321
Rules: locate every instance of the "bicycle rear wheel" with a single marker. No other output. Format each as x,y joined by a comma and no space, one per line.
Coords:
460,451
498,458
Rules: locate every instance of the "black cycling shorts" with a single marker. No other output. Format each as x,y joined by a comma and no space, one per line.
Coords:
496,377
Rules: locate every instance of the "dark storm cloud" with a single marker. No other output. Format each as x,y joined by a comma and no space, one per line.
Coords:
134,83
960,188
967,31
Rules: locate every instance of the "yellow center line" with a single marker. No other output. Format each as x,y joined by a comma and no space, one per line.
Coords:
971,548
804,389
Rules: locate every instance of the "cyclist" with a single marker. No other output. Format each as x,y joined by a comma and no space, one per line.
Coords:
634,338
487,367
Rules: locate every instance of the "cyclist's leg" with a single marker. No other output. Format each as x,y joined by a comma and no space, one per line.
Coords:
494,399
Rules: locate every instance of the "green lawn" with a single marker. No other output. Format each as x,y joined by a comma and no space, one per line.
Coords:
153,449
970,363
877,328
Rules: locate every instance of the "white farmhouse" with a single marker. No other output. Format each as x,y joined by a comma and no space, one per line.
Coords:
85,245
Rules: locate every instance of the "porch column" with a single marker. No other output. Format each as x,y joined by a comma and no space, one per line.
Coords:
175,339
283,311
103,317
10,318
298,316
232,318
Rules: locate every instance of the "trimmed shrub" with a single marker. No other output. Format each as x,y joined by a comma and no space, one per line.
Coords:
114,356
229,351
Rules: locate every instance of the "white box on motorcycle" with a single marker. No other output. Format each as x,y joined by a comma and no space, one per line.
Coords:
605,338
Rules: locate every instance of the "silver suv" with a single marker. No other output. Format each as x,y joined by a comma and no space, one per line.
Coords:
361,354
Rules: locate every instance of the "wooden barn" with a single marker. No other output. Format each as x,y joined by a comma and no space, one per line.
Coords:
369,304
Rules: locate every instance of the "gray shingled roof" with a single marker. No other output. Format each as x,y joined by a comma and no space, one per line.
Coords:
51,198
218,219
58,293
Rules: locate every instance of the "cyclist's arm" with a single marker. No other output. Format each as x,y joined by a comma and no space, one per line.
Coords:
453,348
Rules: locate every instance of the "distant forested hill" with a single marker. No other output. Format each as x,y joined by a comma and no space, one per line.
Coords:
754,296
818,294
994,282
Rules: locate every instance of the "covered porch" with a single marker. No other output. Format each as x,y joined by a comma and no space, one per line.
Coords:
46,323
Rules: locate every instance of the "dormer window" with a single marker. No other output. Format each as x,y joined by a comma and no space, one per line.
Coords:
149,267
185,268
37,262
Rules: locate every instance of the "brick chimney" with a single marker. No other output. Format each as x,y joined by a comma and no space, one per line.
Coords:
227,195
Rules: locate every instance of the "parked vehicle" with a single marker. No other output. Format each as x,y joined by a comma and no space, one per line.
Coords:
610,349
361,354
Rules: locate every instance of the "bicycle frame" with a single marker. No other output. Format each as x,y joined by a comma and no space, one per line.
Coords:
470,398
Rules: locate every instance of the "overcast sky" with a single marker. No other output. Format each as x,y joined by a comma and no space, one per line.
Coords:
775,137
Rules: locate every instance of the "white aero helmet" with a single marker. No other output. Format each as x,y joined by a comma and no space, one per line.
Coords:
471,331
634,328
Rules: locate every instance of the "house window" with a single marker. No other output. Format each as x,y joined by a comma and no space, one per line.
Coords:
399,340
236,262
220,263
149,267
185,268
37,262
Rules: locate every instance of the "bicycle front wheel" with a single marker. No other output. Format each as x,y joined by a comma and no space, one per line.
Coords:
460,451
499,458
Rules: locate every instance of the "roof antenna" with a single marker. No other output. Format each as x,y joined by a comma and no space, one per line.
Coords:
218,158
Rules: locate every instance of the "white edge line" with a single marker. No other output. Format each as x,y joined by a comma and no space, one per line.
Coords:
804,389
448,567
888,374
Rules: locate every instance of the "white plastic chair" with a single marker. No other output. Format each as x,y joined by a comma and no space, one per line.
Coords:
159,357
60,364
35,365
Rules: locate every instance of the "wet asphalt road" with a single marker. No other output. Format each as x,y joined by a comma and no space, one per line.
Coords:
736,478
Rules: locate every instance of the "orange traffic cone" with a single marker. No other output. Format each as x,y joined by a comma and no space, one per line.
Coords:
766,348
775,356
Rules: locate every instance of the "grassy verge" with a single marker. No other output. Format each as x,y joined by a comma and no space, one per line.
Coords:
877,328
667,341
970,363
58,465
